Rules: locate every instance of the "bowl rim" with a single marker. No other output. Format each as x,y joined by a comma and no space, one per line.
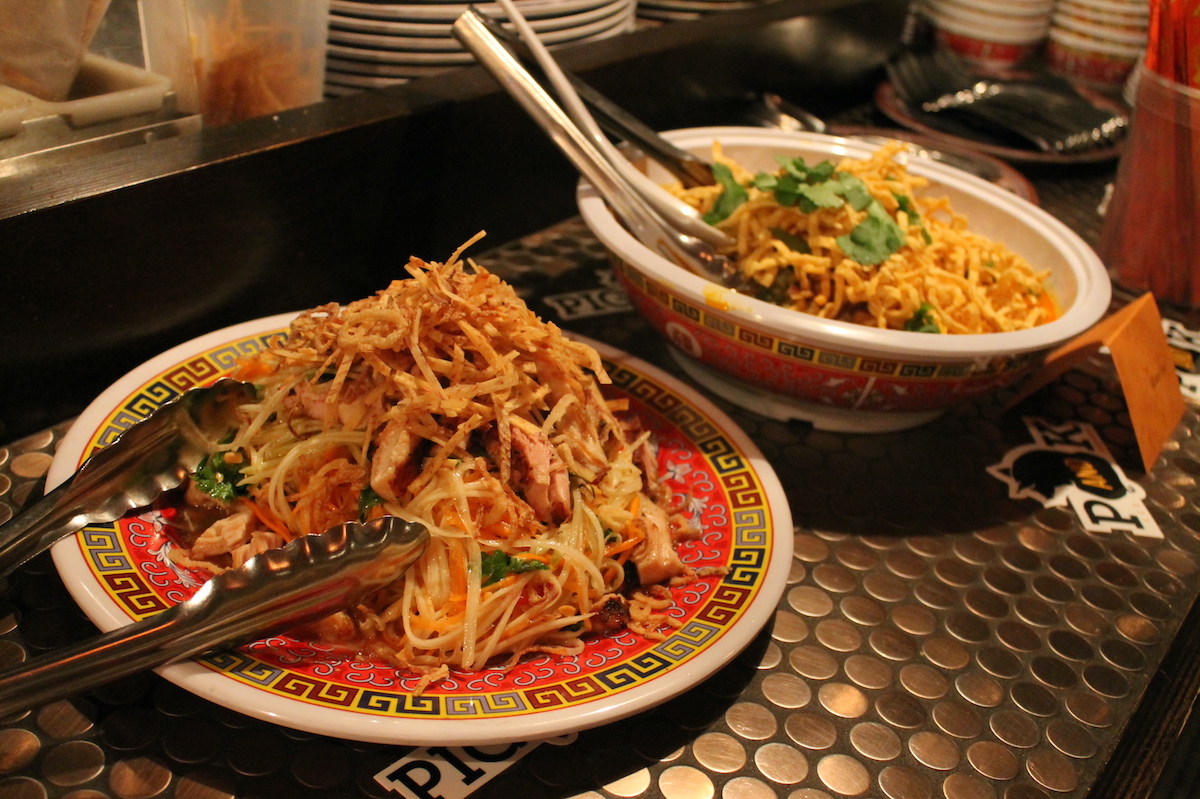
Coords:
1093,286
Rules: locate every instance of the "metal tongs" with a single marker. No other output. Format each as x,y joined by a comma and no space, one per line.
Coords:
150,458
278,590
634,198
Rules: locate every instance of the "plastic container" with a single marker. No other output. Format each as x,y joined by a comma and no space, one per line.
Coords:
103,90
1151,235
236,59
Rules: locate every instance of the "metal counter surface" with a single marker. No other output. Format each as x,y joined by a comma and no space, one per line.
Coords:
936,638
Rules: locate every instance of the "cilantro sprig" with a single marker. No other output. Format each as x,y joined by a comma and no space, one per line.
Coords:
922,320
732,195
497,565
219,478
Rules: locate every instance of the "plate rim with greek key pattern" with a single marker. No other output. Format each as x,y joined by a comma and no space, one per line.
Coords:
110,571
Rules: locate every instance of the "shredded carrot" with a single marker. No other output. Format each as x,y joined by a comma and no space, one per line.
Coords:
269,520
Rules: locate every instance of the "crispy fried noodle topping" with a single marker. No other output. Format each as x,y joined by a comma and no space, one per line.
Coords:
443,399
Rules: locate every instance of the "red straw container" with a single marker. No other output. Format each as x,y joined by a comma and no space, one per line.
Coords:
1151,233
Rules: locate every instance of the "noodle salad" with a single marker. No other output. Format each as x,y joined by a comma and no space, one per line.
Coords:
857,242
444,400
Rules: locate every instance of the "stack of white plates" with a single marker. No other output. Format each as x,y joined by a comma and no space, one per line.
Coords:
372,45
680,10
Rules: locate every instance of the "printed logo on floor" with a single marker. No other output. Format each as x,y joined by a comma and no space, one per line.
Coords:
1185,351
608,298
454,772
1069,465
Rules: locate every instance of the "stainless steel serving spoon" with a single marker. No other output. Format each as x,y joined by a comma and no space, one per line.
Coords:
276,591
686,250
150,458
579,99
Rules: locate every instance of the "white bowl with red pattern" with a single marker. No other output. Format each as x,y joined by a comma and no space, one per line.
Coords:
839,375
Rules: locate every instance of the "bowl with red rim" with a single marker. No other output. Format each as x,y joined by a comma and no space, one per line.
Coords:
839,375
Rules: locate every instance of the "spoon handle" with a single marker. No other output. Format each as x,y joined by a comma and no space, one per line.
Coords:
278,590
684,166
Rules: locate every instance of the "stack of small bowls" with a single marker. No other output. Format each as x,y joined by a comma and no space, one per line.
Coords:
1098,41
990,33
374,44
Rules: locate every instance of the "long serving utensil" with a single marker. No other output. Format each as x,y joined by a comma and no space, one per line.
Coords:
673,211
686,167
273,592
690,252
150,458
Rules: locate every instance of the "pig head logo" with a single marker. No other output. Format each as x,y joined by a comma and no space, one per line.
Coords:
1049,474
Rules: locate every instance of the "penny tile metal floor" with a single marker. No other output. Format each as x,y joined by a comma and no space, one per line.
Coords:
936,638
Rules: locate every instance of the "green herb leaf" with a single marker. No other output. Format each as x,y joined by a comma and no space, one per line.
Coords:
497,565
794,242
922,320
874,239
219,479
777,292
732,195
367,500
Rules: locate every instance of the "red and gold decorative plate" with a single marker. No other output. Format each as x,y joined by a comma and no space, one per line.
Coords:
121,572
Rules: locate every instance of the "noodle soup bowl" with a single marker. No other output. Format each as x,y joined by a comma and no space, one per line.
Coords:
839,375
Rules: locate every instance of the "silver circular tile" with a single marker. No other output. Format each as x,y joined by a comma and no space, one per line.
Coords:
900,710
809,548
1037,612
843,701
1015,729
810,601
965,786
934,750
979,689
789,628
747,788
1123,655
719,752
786,690
868,671
1085,620
1070,645
914,619
751,720
985,604
994,761
834,578
843,775
945,653
885,587
957,719
685,782
1071,739
1092,710
838,635
857,556
810,730
875,741
999,662
1034,699
863,610
813,662
892,645
1052,770
1004,580
781,763
923,681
